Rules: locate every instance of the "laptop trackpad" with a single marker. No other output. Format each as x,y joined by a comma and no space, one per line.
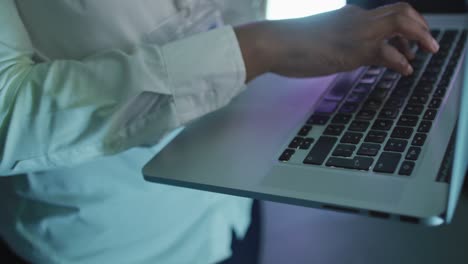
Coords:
335,186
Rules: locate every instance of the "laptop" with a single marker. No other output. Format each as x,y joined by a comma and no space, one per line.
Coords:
369,142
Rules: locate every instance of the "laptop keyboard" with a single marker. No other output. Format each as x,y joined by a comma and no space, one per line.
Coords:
381,122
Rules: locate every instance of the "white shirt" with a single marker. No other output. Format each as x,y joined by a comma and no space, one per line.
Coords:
87,89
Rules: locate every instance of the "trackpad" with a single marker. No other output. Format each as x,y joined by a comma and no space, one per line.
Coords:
334,186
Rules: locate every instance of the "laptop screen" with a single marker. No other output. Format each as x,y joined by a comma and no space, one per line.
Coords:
460,161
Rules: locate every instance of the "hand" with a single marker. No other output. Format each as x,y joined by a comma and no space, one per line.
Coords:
336,41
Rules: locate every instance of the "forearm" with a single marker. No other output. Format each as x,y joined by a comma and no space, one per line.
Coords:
252,40
332,42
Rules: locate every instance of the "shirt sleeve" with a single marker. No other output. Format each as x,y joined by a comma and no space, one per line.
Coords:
65,112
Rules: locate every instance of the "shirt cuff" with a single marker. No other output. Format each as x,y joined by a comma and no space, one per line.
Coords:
205,72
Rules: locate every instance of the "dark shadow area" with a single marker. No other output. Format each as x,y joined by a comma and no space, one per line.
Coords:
424,6
7,256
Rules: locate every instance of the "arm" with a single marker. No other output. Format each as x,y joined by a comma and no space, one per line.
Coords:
62,113
336,41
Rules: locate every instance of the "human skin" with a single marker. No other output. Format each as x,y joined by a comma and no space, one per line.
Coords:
336,41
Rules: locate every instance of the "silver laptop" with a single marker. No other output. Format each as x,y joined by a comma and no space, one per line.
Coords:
369,142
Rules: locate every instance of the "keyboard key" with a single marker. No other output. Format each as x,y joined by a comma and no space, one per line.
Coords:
349,108
435,33
440,92
320,150
396,145
379,94
443,52
447,77
413,153
374,70
406,82
295,142
369,79
382,124
366,114
351,138
408,120
344,150
419,139
400,93
356,98
375,136
388,113
417,98
433,69
359,126
430,114
341,119
318,119
305,144
435,103
362,88
424,88
358,163
445,80
394,102
287,154
372,104
367,149
326,107
384,84
413,110
421,54
438,62
304,131
449,36
387,162
428,77
402,132
452,63
334,130
406,168
337,93
417,65
390,75
425,126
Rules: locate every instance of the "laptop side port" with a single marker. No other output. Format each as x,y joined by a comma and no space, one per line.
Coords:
340,209
409,219
378,214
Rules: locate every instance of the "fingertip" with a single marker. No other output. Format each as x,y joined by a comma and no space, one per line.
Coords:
434,45
405,67
396,60
409,69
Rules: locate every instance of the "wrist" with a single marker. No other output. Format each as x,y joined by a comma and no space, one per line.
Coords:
253,42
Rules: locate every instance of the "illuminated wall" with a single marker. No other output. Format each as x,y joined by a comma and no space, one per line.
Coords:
281,9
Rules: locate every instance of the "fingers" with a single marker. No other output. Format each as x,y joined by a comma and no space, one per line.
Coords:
403,20
402,8
402,25
391,58
403,46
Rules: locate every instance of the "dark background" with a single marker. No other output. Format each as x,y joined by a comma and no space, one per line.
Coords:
288,229
424,6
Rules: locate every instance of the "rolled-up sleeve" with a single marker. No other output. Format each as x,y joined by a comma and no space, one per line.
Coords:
65,112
